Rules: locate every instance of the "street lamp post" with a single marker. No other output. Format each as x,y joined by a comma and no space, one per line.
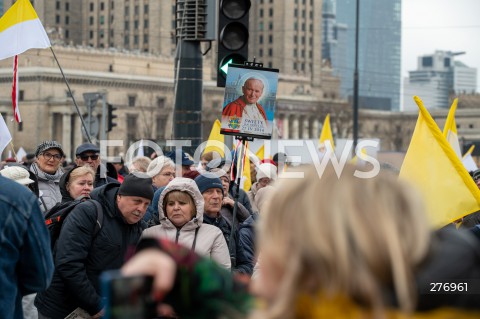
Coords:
355,80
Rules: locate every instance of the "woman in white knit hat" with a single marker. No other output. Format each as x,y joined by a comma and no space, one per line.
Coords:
266,174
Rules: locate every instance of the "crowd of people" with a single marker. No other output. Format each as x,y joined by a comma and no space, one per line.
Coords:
312,247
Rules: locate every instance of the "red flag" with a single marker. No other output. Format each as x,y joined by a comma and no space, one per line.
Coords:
16,111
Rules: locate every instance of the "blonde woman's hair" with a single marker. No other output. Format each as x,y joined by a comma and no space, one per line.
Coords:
80,171
347,236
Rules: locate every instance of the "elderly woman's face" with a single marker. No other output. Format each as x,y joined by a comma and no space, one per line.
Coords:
225,184
178,211
80,186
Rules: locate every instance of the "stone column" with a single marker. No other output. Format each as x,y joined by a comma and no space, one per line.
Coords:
286,127
306,128
314,131
67,135
295,128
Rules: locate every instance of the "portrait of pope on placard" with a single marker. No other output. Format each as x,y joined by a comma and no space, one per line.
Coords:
251,113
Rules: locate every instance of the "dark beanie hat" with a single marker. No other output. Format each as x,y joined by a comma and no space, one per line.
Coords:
137,184
207,181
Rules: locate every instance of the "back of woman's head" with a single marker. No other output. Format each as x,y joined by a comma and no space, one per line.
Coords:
347,236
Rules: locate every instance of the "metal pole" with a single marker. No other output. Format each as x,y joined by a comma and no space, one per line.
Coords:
103,134
355,81
187,116
73,98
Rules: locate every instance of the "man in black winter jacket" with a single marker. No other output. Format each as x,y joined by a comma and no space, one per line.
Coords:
81,256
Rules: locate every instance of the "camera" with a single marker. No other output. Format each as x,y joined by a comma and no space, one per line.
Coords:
127,297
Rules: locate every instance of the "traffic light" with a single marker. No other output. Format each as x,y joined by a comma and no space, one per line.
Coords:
232,36
111,124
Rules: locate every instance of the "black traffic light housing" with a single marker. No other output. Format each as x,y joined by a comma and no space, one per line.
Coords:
232,35
111,117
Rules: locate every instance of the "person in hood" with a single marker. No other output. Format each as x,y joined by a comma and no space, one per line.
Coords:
80,256
180,209
48,170
76,182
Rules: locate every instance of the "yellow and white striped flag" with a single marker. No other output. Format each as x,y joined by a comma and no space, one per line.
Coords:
20,30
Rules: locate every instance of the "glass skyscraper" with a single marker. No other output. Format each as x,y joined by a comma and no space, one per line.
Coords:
379,52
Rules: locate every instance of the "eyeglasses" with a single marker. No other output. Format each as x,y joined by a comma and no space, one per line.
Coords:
49,156
85,157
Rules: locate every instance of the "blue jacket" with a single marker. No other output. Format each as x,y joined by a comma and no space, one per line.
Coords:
26,264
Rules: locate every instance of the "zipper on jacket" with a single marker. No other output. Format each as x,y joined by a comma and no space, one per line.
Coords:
177,235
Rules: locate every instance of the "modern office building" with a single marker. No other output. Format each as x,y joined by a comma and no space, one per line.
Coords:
379,52
437,78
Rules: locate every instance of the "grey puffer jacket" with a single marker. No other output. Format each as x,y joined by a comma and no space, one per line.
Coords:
49,186
204,239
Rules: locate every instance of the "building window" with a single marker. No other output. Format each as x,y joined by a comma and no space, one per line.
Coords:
270,38
102,19
427,61
303,53
91,34
127,11
260,52
161,124
102,6
135,25
57,19
260,39
67,20
102,34
270,12
270,26
135,39
67,6
260,26
295,65
145,24
295,26
57,5
160,102
91,21
303,40
295,53
21,95
145,38
470,126
136,10
127,25
446,62
260,13
270,52
131,100
67,34
145,9
91,6
126,40
295,39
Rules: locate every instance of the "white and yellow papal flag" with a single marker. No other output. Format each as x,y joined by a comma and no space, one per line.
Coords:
450,129
20,30
431,165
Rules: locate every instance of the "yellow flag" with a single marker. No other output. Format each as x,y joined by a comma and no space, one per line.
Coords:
450,129
216,141
433,167
261,153
247,181
326,134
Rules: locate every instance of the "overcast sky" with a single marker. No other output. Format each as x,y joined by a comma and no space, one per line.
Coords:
449,25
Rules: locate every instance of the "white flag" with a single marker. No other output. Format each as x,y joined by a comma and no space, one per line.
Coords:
5,136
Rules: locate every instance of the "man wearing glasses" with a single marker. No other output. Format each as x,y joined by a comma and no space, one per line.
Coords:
47,168
89,154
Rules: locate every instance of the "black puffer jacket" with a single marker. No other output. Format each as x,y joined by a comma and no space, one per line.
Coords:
80,257
454,258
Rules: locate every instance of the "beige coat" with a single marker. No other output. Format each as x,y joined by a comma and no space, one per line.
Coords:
209,239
